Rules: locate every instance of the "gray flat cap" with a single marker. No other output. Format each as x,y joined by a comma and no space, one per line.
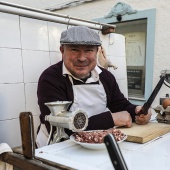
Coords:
80,35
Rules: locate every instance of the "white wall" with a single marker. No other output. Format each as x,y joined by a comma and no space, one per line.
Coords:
27,47
112,43
98,9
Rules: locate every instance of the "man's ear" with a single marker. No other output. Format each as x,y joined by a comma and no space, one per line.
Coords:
98,48
62,49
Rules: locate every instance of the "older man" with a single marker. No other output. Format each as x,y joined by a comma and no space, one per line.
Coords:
77,78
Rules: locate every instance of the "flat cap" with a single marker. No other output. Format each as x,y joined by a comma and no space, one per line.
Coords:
80,35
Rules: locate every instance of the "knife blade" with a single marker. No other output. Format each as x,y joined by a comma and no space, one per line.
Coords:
147,104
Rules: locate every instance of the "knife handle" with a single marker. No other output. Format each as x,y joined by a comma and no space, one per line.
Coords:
147,104
144,109
115,153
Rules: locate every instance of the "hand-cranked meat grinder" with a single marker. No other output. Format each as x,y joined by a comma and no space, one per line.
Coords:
76,121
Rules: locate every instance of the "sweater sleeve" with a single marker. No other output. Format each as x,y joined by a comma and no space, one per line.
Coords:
101,121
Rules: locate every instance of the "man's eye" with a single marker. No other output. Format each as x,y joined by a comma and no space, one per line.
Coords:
74,50
89,50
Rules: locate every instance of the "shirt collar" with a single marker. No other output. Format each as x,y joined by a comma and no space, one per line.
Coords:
94,74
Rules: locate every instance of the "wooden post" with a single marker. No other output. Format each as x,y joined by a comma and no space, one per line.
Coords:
27,134
23,163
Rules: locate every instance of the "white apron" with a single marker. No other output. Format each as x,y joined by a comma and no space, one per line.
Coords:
42,136
89,97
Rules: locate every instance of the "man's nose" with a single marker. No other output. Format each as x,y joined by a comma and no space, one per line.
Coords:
81,56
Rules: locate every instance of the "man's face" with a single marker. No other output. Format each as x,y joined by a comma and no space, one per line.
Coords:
80,60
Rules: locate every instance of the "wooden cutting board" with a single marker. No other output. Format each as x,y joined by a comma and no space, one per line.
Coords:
145,133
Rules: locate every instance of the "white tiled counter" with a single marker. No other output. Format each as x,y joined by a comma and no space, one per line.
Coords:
153,155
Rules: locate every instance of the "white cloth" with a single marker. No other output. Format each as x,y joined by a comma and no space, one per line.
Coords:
4,147
89,97
42,136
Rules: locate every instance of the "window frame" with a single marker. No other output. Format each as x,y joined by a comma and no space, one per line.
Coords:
150,16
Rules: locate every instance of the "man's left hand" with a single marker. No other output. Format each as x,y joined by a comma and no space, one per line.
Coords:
142,119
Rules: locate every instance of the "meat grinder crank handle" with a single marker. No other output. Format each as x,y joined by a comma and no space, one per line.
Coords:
147,104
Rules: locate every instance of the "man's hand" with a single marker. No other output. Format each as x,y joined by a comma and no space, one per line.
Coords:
122,119
142,119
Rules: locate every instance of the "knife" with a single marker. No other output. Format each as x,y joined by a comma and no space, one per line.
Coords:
115,153
147,104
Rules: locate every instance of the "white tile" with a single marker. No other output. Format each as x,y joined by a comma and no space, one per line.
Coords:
34,34
55,57
123,87
10,132
105,42
34,63
55,30
116,45
12,100
10,66
120,62
31,98
9,31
